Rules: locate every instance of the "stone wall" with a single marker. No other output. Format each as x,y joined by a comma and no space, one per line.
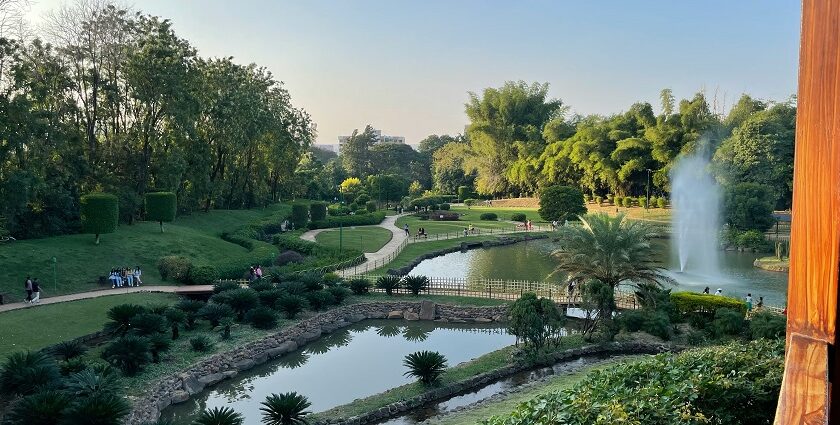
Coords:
180,387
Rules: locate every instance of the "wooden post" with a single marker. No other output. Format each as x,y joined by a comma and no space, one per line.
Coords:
808,394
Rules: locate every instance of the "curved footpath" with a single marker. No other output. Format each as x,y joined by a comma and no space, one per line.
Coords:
106,292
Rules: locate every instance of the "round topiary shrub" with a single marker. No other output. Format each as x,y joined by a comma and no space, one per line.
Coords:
288,257
370,206
161,206
318,211
618,200
445,207
561,203
204,274
100,213
362,198
174,267
489,216
518,217
660,202
300,215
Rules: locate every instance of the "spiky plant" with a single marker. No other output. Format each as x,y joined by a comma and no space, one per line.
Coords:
241,301
285,409
97,409
191,309
90,382
129,354
214,313
262,318
41,408
426,366
416,284
359,286
268,298
291,305
159,343
389,283
340,293
219,416
69,349
147,324
175,317
201,343
121,317
27,372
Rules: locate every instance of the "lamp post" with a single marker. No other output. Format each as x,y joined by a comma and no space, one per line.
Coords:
647,195
55,280
340,235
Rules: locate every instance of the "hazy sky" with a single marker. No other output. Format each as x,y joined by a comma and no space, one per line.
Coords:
406,67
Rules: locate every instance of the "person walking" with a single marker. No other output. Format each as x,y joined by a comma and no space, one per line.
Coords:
36,291
748,299
27,286
405,227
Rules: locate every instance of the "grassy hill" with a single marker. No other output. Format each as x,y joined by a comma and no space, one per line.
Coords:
79,262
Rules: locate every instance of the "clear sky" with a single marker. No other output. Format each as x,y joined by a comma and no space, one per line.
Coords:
406,67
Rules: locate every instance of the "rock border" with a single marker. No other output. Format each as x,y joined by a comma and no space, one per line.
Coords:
179,387
464,246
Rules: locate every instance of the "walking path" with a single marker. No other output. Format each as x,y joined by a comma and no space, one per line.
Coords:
106,292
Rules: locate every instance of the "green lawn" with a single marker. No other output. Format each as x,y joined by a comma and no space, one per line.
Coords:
38,327
363,238
79,262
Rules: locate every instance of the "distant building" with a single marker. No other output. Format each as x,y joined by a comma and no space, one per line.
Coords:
380,139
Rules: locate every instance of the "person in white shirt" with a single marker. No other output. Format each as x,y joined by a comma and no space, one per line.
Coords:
137,273
719,291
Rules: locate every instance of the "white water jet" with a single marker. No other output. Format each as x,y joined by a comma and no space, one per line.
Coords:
695,199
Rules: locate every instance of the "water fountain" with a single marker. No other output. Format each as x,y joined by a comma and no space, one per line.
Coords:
695,199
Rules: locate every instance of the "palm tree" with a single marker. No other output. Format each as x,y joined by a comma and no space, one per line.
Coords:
609,249
27,372
427,366
41,408
219,416
96,409
285,409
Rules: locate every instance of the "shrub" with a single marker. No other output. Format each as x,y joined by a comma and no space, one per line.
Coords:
204,274
100,213
519,217
350,220
319,300
262,318
370,206
464,193
599,200
69,349
42,408
121,315
174,267
145,324
728,322
261,285
340,293
765,324
425,201
488,216
353,206
128,354
587,197
317,211
359,286
388,283
215,313
660,202
753,239
285,409
175,318
219,416
337,210
415,284
445,207
291,305
618,200
288,257
362,198
159,344
643,202
294,288
534,320
426,366
628,202
225,285
269,297
300,215
312,281
160,207
748,206
689,302
561,203
241,300
190,309
330,279
469,202
25,373
101,408
441,215
201,343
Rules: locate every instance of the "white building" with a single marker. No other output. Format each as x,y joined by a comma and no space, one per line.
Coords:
380,138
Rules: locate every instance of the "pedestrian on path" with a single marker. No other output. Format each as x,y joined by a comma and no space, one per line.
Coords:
748,299
405,227
27,285
36,290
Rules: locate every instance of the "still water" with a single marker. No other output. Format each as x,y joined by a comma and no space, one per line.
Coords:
355,362
532,261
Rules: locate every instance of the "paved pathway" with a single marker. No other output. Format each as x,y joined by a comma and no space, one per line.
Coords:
106,292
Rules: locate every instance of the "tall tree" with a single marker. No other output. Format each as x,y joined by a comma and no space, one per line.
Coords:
355,153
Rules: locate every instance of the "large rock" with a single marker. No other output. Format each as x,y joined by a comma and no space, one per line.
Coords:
192,385
180,397
244,364
211,379
410,315
427,310
396,314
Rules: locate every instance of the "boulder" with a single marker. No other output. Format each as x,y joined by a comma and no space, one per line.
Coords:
410,315
244,364
192,385
482,320
211,379
180,397
396,314
427,310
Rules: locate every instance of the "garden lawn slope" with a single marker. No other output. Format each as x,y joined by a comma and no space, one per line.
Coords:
79,262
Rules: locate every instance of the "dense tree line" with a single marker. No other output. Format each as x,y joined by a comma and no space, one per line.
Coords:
105,99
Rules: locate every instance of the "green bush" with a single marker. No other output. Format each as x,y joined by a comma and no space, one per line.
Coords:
121,316
336,210
349,220
262,318
359,286
129,354
425,201
288,257
225,285
201,343
426,366
190,309
204,274
628,202
561,203
318,211
464,193
146,324
268,298
534,320
241,300
100,213
389,283
488,216
215,313
690,302
353,206
416,284
285,409
300,215
519,217
753,239
330,279
469,202
161,206
444,207
27,372
766,324
362,199
339,293
660,202
291,305
45,407
319,300
174,267
599,200
728,322
69,349
370,206
618,200
749,206
260,285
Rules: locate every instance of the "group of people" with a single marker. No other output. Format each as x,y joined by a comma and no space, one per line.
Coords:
125,276
748,299
254,273
469,230
526,225
33,290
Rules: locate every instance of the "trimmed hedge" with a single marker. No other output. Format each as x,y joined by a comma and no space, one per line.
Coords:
425,201
100,213
300,215
349,220
317,211
690,302
161,206
445,207
488,216
370,206
518,217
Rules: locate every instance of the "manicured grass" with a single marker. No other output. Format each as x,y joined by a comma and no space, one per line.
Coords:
38,327
508,404
363,238
470,216
79,262
504,213
486,363
655,215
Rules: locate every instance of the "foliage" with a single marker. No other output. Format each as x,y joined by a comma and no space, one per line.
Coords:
300,215
319,300
370,206
359,285
98,409
534,320
25,373
709,385
728,322
464,193
129,354
349,220
146,324
241,300
225,285
202,274
416,284
215,313
489,216
291,305
201,343
262,318
425,201
349,187
175,267
288,257
317,211
426,366
219,416
285,409
469,202
597,297
748,206
42,408
161,206
690,302
521,217
561,203
99,213
339,293
766,324
753,239
268,298
191,309
120,317
389,283
654,322
69,349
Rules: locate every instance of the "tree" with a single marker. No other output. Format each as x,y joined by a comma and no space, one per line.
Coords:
748,206
433,142
350,187
129,354
415,189
449,167
611,250
561,203
285,409
219,416
100,213
161,206
426,366
387,187
534,320
355,152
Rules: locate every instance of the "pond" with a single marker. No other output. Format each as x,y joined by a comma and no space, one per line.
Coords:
354,362
532,261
